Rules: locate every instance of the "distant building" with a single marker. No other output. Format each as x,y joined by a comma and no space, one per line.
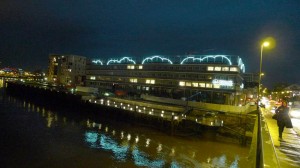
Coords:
67,70
250,80
206,78
251,86
292,91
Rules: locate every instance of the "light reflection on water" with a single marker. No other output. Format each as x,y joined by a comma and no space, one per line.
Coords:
144,147
125,149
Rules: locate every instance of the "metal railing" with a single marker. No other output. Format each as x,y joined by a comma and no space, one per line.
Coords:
265,154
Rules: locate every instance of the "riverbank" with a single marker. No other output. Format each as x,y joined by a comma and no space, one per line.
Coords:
33,135
234,129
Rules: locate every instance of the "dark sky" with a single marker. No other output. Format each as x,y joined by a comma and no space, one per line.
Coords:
32,29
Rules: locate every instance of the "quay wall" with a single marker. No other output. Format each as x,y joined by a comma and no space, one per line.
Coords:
235,127
54,99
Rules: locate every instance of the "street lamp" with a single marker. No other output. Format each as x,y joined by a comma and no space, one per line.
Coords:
264,44
259,139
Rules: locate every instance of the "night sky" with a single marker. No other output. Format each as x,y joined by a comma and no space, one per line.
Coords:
32,29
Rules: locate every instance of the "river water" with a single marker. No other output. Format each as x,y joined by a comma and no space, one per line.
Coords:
37,136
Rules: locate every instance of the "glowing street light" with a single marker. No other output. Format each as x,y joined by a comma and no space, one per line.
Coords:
259,143
264,44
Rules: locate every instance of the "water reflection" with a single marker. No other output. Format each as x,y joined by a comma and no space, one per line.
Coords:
143,148
124,148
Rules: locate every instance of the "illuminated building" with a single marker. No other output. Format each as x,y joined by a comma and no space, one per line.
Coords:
206,78
66,69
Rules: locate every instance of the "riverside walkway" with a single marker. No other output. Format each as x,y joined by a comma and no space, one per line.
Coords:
287,150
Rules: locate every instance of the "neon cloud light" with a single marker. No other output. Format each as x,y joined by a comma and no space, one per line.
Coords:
113,61
97,61
150,59
205,58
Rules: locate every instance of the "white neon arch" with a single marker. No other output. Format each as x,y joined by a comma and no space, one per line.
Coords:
121,60
241,65
97,61
157,56
201,59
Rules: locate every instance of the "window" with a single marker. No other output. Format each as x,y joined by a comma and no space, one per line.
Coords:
130,66
188,84
150,81
93,77
181,83
210,68
133,80
233,69
140,66
208,85
225,68
217,68
217,86
202,84
195,84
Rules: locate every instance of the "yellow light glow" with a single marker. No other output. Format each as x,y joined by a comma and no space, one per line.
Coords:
266,44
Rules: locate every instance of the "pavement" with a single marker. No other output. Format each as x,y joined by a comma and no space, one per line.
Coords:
287,149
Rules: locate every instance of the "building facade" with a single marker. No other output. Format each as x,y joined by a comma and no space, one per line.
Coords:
251,86
66,70
204,78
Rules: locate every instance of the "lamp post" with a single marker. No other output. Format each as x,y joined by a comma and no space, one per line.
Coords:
259,155
264,44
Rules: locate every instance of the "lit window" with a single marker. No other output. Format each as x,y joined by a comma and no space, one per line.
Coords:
150,81
216,86
181,83
208,85
188,84
217,68
202,84
130,66
133,80
233,69
225,68
210,68
93,77
195,84
141,67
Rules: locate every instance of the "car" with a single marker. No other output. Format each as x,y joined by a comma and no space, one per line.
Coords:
295,112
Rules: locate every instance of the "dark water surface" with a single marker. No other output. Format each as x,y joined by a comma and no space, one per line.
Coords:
34,136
